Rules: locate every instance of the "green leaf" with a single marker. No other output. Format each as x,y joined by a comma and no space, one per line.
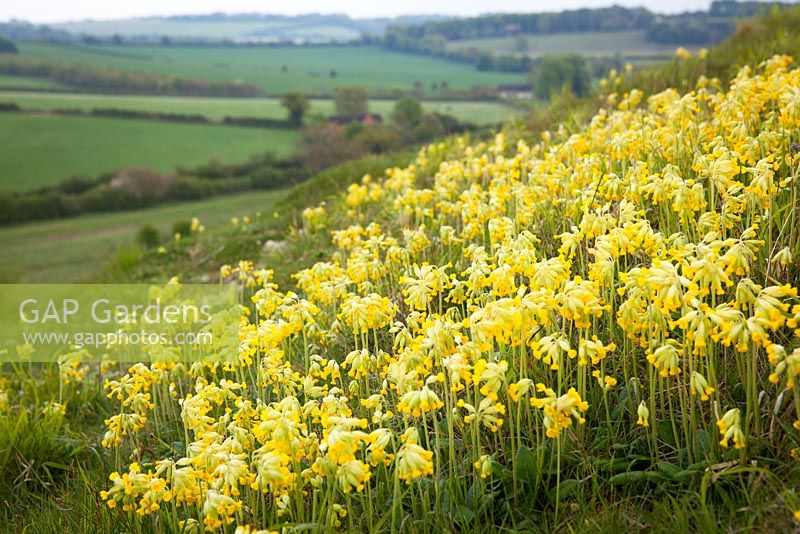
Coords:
668,468
636,477
527,465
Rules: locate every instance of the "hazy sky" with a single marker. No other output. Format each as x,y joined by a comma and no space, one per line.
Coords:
70,10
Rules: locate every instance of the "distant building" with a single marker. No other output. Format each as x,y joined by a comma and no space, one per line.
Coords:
366,118
514,91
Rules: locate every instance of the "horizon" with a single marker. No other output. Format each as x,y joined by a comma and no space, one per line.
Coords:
98,11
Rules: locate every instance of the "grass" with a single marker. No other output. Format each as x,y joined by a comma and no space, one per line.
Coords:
73,249
307,68
40,150
217,108
626,43
25,82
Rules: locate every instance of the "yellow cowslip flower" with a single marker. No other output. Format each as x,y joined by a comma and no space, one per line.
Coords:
413,462
579,302
247,529
218,510
665,358
788,364
519,389
644,415
682,53
559,411
484,466
379,440
782,257
551,349
273,471
352,475
489,413
699,386
606,382
363,314
492,375
729,428
593,350
418,402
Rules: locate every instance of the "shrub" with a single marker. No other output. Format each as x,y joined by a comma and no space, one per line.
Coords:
148,236
182,227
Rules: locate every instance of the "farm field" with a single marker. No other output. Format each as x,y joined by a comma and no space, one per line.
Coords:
308,69
74,249
25,82
626,43
217,108
236,29
41,150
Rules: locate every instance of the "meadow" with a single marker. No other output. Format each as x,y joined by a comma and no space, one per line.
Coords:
24,82
307,69
41,150
590,44
77,249
216,109
587,325
593,330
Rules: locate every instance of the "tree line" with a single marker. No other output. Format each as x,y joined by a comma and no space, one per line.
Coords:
694,28
111,80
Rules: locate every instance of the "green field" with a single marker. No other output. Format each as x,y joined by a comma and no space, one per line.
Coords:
217,108
73,249
40,150
24,82
213,29
308,68
593,44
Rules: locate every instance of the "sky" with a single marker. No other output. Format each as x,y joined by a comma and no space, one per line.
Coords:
47,11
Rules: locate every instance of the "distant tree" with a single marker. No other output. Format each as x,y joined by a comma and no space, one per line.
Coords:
552,73
333,73
327,144
284,68
429,127
379,138
7,47
116,39
297,105
148,236
407,113
521,44
354,129
351,101
485,62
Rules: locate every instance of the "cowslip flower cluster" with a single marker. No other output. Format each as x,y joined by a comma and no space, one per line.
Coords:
627,264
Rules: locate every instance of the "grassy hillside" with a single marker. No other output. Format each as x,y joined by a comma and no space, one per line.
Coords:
76,249
595,331
41,150
217,108
307,68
